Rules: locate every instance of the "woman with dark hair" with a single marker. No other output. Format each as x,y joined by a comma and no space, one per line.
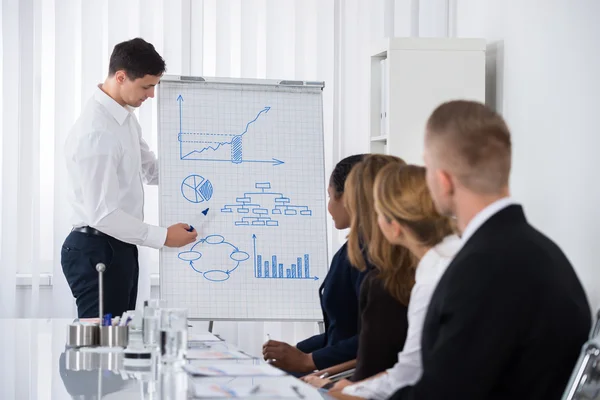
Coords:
339,299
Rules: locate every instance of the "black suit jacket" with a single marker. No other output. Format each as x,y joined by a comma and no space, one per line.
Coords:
339,301
506,321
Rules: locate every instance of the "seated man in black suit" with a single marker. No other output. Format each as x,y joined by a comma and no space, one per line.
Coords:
509,316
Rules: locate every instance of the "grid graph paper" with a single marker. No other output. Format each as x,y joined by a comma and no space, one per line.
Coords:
243,163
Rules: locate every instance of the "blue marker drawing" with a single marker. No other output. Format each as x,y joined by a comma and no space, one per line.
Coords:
264,269
225,147
257,215
196,189
216,249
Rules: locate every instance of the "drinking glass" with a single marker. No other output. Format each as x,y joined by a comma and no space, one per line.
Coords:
151,321
173,334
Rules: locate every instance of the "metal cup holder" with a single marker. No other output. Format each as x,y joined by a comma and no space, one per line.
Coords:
114,336
79,335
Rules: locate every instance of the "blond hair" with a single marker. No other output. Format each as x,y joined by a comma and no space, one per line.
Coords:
401,195
473,142
394,263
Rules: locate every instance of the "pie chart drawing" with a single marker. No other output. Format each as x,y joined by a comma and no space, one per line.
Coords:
196,189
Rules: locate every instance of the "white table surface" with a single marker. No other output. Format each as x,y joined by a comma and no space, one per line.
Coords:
33,365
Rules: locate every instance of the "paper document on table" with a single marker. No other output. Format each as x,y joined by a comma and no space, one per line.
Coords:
209,354
203,337
233,370
211,390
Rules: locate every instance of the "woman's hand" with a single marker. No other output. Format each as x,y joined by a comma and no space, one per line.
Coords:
315,381
287,357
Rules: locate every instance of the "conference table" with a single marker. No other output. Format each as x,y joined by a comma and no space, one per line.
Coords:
35,363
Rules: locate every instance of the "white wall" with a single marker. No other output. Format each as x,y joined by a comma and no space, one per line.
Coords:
548,62
543,66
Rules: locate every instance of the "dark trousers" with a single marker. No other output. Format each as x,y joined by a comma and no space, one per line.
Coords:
79,255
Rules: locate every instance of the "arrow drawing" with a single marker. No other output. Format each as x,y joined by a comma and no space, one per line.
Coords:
211,272
219,147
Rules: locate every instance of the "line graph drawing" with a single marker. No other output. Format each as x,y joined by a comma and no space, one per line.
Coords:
298,270
259,215
219,147
211,267
196,189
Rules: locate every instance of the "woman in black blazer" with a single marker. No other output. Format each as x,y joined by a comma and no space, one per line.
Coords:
339,299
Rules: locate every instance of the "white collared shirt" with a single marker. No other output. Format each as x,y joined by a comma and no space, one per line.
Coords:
482,216
107,162
409,367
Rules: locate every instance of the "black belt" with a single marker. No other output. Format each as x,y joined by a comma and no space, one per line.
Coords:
89,231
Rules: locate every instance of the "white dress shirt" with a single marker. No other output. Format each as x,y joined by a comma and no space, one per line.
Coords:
409,367
482,216
107,163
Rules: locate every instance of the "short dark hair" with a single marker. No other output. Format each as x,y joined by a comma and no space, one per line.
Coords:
473,142
137,58
341,171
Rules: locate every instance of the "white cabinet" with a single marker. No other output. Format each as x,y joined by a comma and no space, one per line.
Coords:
410,77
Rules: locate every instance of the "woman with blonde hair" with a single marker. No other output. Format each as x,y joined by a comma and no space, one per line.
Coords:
385,291
407,217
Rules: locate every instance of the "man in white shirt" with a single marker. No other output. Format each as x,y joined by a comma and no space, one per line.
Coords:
108,161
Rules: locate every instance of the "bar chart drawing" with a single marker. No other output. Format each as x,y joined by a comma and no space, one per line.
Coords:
255,214
212,267
271,268
221,146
